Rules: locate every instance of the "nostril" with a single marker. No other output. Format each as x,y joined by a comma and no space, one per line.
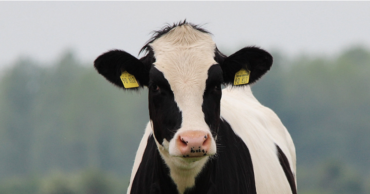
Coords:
207,141
183,141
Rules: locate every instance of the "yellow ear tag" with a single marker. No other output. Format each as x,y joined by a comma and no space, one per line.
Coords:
242,77
128,80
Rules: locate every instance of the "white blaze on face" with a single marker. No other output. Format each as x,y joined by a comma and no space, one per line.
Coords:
184,55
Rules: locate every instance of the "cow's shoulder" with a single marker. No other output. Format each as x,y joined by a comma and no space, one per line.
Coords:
261,130
242,103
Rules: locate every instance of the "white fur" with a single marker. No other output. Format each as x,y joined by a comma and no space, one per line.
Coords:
182,170
260,129
184,56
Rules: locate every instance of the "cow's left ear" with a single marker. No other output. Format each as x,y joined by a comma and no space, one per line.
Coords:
245,66
122,69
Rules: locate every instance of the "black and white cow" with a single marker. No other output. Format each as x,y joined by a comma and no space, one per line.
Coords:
201,139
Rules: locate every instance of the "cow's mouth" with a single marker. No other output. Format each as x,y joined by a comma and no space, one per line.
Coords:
192,158
189,162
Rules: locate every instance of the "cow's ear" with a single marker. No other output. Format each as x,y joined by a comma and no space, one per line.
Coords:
245,66
122,69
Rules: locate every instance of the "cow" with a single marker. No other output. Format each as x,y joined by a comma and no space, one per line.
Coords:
202,138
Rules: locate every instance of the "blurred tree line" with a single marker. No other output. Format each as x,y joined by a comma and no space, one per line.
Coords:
66,130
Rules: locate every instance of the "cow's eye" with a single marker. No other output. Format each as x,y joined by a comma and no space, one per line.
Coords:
155,88
217,87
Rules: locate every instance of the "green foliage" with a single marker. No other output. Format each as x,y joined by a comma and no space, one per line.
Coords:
337,178
79,134
57,184
89,181
66,117
20,185
94,182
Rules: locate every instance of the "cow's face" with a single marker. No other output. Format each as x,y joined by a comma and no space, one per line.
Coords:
185,93
184,71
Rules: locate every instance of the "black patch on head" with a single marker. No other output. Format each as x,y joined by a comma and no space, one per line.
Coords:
286,167
254,59
230,171
165,30
211,98
163,110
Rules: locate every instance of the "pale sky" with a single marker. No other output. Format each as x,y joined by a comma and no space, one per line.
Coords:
43,30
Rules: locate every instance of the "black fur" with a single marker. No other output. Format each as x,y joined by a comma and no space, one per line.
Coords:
163,110
254,59
112,63
211,98
230,171
219,56
149,58
152,176
286,167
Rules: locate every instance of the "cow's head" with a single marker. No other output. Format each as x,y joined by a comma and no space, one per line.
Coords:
183,71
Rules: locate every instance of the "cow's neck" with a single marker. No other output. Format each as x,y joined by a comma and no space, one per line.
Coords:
182,173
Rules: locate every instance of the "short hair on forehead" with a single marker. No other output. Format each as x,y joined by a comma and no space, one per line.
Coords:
159,33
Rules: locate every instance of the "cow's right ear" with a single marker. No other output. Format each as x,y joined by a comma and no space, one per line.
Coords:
122,69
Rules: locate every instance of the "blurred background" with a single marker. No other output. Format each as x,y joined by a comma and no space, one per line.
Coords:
65,130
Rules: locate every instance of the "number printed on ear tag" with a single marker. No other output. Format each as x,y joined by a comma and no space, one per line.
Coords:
242,77
128,80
